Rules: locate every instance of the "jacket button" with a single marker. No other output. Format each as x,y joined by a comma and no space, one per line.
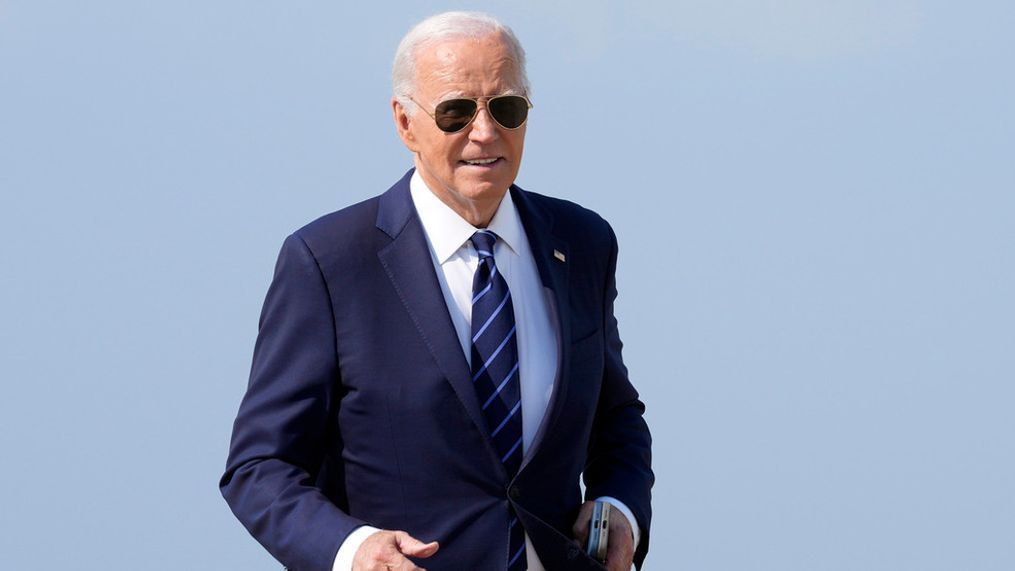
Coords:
572,553
514,493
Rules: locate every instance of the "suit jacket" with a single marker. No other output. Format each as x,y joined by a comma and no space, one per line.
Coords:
360,407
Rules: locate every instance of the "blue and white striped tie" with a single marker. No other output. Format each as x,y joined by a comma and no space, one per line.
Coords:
495,372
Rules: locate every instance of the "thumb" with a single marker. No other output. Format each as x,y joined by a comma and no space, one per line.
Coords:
580,530
413,547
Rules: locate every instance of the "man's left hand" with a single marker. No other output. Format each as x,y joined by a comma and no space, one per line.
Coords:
619,546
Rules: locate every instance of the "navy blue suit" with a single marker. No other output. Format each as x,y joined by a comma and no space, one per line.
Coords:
360,407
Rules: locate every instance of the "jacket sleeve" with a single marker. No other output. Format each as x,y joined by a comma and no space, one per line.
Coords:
281,430
620,459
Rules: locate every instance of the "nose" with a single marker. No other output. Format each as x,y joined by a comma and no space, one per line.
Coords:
483,127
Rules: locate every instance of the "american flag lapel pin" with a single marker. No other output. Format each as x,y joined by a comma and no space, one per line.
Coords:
559,255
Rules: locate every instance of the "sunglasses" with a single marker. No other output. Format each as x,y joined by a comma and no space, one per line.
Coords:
453,115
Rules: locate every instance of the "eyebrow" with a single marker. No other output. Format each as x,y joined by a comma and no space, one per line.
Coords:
461,94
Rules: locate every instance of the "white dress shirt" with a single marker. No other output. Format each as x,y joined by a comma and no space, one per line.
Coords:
455,261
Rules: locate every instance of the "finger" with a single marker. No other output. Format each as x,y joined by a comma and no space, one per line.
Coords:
580,530
620,548
619,559
411,546
399,563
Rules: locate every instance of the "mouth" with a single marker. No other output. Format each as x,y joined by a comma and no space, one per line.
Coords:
485,162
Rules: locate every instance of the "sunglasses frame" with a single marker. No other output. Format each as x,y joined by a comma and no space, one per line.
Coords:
486,99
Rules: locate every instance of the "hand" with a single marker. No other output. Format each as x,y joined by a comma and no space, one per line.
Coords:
619,546
386,551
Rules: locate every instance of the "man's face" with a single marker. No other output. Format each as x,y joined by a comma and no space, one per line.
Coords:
464,67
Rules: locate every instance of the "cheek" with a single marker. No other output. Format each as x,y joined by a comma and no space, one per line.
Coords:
517,140
432,151
450,151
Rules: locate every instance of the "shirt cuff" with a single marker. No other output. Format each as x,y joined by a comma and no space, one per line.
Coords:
622,507
347,552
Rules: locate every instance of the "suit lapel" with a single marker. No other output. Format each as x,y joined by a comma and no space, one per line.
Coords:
408,264
553,272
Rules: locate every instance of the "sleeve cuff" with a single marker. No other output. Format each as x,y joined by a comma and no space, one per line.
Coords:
347,552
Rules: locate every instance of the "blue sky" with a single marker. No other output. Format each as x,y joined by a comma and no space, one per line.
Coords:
814,201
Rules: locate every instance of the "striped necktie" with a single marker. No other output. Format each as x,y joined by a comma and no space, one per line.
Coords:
495,372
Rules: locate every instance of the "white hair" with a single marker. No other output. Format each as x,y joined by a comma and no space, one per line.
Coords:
445,26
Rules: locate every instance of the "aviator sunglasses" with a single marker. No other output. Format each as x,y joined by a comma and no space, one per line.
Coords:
453,115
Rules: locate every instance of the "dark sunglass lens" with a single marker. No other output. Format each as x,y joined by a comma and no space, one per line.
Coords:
454,114
510,110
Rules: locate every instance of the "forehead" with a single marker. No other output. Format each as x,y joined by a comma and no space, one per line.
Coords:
467,66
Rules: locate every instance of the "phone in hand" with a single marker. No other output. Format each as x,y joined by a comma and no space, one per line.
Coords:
599,531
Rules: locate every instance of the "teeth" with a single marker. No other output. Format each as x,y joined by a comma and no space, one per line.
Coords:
481,161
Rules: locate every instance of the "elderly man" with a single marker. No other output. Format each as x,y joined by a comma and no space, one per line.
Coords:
437,367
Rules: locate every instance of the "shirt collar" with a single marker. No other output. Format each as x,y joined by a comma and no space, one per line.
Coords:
448,231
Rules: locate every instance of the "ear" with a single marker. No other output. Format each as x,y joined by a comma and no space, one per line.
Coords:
403,124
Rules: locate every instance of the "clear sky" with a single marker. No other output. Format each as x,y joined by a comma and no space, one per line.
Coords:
816,209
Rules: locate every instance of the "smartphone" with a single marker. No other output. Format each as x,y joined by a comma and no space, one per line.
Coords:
599,531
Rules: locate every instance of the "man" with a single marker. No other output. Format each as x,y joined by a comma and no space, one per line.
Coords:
437,366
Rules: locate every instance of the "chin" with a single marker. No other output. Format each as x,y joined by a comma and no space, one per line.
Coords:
492,190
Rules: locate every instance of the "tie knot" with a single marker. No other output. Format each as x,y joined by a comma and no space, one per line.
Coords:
484,241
